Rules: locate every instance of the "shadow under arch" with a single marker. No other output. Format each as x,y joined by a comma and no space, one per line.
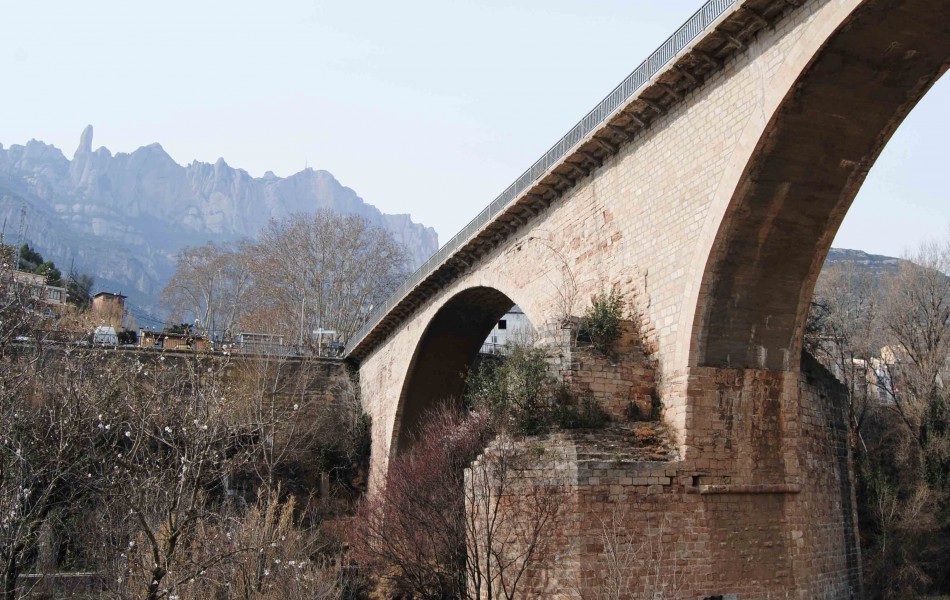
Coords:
447,348
803,175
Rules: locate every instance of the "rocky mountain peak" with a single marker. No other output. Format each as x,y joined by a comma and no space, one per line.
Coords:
124,217
85,143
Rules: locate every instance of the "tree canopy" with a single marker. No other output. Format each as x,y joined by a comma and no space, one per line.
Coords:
306,273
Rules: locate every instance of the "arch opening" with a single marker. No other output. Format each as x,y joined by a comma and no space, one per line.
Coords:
803,176
446,351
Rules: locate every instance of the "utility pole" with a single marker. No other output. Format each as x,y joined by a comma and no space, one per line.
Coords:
303,301
21,233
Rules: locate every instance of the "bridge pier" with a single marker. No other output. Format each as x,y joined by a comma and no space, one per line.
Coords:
760,507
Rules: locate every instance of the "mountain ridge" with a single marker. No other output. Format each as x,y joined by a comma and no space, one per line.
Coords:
123,217
874,262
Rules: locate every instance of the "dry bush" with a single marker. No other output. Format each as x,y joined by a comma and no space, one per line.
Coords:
635,564
513,507
411,533
445,528
270,554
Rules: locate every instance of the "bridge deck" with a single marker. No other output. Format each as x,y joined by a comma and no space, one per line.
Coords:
698,48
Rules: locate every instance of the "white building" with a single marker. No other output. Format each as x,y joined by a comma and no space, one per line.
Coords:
513,328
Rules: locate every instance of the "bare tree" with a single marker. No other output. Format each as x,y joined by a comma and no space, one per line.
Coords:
312,426
120,462
170,437
513,505
277,392
47,431
325,270
210,284
844,333
917,321
443,527
887,338
47,435
411,534
173,436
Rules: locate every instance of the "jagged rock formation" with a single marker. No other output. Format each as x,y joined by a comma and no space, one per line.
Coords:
124,217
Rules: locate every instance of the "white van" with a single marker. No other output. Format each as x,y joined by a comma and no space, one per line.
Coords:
105,336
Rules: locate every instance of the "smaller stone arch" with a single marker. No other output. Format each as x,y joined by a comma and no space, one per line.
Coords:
446,350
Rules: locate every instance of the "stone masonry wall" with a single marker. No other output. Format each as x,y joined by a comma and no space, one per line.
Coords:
623,382
761,497
704,528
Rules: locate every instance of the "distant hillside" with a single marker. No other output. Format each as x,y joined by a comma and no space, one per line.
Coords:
124,217
874,263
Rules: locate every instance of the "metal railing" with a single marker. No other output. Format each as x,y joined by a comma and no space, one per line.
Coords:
694,26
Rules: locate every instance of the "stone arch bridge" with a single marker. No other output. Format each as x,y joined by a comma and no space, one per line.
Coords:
707,189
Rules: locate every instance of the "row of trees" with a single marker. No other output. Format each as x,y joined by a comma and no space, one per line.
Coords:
887,337
324,270
170,477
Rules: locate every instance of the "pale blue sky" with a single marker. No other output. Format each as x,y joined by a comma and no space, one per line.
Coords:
427,107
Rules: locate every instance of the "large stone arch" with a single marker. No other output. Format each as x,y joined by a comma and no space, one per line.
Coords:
859,73
446,349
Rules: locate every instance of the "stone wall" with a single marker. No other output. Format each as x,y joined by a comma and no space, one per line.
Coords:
623,381
771,515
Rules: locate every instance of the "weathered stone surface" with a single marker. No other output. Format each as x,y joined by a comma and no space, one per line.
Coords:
646,222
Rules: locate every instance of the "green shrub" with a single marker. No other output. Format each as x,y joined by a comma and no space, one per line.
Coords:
633,412
600,325
524,398
516,390
581,413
